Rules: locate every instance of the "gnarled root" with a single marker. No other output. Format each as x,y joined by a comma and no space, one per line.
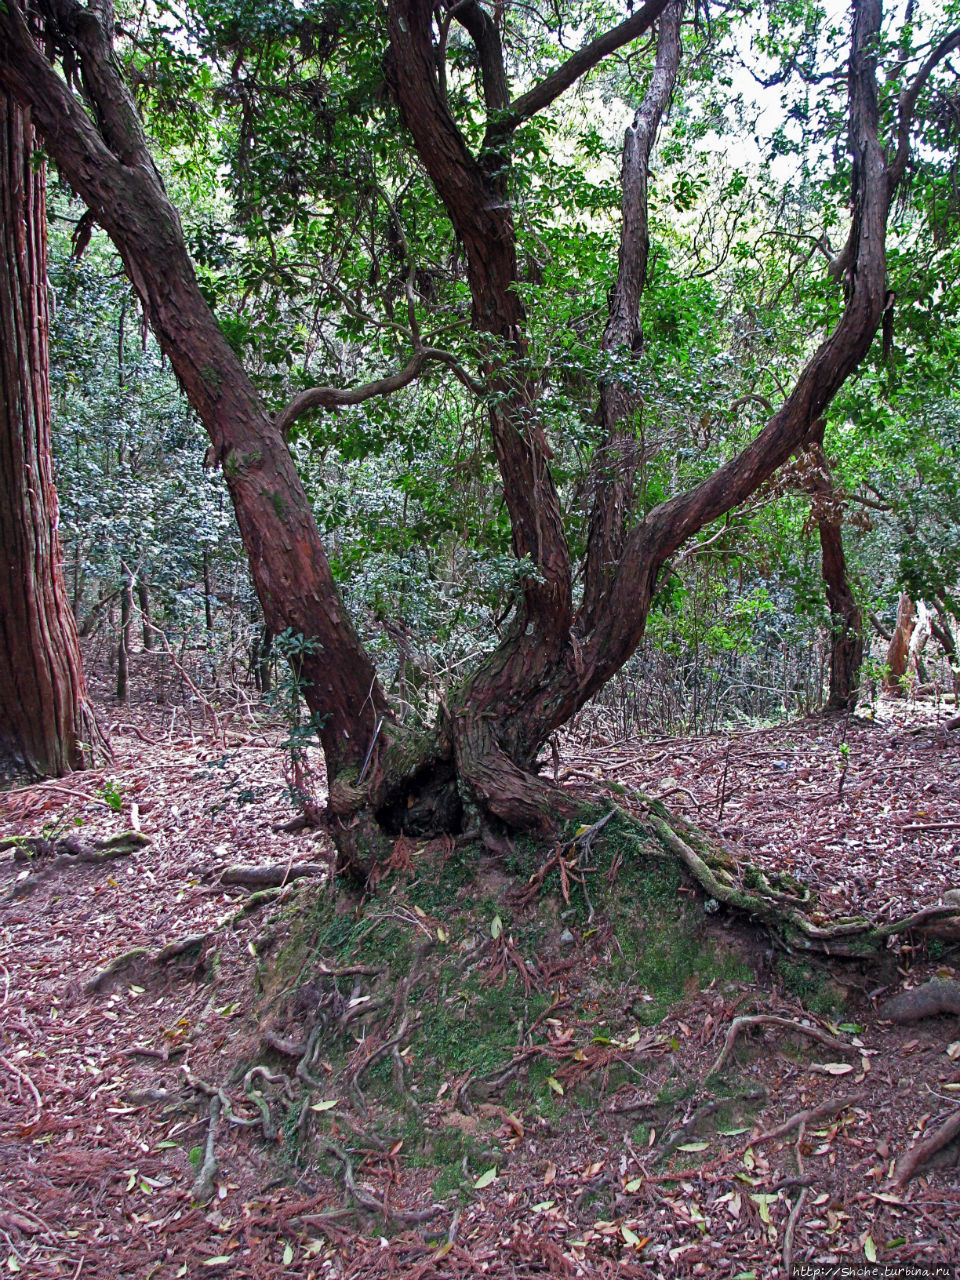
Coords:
921,1153
852,938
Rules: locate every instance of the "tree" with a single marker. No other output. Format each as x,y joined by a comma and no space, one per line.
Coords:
559,647
46,721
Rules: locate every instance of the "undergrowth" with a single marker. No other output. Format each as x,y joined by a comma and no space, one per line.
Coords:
469,1001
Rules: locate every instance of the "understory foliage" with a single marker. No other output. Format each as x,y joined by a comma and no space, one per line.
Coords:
320,241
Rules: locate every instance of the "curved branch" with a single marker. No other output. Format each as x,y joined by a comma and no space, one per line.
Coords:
579,63
619,458
908,103
483,31
341,397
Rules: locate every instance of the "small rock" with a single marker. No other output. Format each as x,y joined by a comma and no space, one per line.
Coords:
566,938
952,898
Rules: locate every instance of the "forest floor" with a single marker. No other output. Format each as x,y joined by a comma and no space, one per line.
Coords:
105,1093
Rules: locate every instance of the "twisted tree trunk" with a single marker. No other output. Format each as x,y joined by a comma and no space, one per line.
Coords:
482,750
46,721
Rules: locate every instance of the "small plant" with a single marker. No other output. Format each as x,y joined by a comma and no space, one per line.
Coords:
304,780
112,795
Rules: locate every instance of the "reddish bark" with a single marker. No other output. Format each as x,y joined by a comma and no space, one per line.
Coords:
846,616
898,653
46,721
553,658
113,171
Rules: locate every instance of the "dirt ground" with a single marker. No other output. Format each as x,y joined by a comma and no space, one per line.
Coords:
105,1093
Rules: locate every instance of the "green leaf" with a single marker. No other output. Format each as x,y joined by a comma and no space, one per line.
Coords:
485,1179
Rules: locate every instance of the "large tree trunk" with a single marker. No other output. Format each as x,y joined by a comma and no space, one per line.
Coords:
553,659
112,169
46,721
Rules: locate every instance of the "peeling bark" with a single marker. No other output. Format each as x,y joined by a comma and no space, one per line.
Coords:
46,720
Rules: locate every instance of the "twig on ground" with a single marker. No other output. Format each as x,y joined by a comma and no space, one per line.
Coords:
769,1020
25,1079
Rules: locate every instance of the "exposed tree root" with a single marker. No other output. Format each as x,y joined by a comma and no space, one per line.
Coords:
204,1185
702,1113
826,1111
194,942
272,877
769,1020
366,1200
791,1231
52,856
98,980
852,938
939,995
922,1153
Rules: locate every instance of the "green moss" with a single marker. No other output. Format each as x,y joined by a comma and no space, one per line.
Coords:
811,985
640,944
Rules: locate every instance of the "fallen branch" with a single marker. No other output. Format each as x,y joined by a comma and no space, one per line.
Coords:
826,1111
913,1160
769,1020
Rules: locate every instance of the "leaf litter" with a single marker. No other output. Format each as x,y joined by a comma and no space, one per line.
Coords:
102,1138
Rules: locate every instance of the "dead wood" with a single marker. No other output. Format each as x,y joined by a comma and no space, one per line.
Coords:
921,1153
826,1111
769,1020
939,995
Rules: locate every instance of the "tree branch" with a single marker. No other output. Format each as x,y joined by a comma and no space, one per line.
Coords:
579,63
483,31
341,397
908,103
617,461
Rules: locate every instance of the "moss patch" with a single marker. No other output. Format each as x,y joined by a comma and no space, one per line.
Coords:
470,1000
